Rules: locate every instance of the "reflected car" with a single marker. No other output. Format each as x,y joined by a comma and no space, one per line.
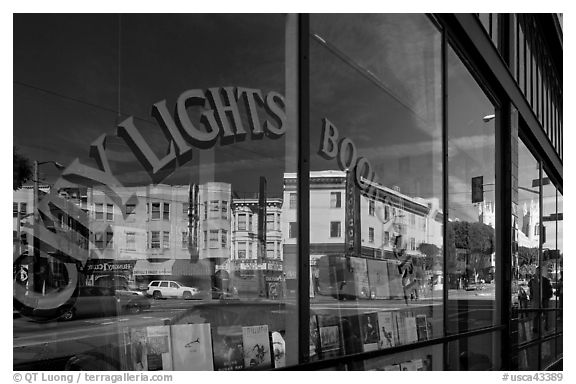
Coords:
160,289
132,301
92,302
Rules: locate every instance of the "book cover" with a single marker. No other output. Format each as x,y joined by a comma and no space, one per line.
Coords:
388,330
278,350
419,364
370,334
411,329
422,327
402,337
228,348
158,348
408,366
330,339
256,342
192,347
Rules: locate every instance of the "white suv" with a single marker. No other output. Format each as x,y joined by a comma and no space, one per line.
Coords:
166,288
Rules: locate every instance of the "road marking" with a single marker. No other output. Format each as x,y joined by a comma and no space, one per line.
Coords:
123,319
108,323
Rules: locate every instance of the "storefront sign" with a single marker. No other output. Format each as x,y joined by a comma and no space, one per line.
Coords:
220,116
274,266
352,224
249,266
345,152
110,267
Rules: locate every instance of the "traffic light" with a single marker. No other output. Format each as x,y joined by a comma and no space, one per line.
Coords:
477,189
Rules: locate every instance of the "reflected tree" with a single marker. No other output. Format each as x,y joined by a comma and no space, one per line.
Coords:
22,170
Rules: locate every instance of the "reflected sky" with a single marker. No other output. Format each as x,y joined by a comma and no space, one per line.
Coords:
77,76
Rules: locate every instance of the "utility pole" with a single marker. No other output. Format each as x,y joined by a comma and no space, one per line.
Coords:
193,223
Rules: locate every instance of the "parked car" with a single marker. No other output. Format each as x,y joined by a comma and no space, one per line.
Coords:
132,301
92,302
165,288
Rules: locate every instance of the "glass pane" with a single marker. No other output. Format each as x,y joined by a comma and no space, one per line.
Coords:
471,228
550,256
527,229
521,56
376,258
477,353
423,359
184,124
528,359
559,290
548,353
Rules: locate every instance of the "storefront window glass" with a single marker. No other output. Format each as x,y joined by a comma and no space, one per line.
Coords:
169,126
559,290
477,353
550,256
526,263
376,143
471,228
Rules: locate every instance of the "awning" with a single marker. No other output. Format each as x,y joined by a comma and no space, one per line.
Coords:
144,267
183,267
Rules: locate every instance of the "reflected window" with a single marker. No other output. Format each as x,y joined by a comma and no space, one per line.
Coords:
335,200
155,239
292,201
99,211
292,230
335,229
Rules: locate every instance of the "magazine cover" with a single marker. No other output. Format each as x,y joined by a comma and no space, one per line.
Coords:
388,330
362,288
228,349
256,342
419,365
192,347
158,349
278,350
411,329
422,326
330,339
369,327
378,275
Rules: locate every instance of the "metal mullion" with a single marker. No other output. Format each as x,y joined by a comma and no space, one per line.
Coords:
445,171
517,45
525,54
540,213
537,75
303,188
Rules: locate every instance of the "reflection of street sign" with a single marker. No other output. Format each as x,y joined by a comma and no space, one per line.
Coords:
477,189
536,182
